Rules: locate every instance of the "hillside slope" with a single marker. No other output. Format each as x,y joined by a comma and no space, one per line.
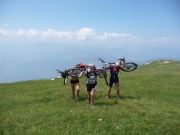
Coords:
150,104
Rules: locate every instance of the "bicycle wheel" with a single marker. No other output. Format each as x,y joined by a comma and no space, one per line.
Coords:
130,66
73,72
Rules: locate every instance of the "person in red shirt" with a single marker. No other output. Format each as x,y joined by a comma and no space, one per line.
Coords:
114,70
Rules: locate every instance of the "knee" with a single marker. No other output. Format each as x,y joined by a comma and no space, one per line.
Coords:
117,87
77,87
92,92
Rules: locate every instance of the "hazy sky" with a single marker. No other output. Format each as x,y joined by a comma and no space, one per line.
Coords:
143,29
157,20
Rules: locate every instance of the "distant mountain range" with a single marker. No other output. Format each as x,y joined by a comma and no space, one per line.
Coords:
31,62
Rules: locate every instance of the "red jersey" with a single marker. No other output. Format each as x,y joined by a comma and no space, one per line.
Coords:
114,72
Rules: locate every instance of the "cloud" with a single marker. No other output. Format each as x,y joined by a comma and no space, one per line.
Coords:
83,35
50,33
166,40
6,33
58,36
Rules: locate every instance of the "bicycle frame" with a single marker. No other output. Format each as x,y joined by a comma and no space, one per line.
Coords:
74,72
126,66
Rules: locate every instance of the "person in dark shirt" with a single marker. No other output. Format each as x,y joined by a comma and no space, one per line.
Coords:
114,70
75,86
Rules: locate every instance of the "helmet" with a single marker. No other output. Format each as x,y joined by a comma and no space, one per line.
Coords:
91,65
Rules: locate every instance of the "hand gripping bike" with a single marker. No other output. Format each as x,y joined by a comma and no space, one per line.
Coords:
126,66
75,72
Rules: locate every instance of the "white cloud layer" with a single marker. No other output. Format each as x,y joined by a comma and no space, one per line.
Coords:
166,40
83,35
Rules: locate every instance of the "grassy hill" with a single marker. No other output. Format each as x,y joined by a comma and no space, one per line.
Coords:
150,105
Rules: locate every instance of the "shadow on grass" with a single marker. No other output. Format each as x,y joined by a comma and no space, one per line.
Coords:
82,99
113,100
106,103
130,97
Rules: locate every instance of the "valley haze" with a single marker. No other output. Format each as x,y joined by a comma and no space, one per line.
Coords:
40,61
38,37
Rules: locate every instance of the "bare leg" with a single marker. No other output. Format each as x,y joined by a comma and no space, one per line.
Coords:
118,90
89,97
77,90
92,96
73,90
109,91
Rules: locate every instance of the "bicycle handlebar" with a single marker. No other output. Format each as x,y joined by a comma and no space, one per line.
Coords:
59,71
101,60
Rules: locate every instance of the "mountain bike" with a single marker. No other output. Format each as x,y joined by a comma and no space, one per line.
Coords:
126,66
97,70
81,66
75,72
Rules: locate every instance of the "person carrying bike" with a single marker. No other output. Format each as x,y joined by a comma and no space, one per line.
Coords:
75,86
114,70
91,84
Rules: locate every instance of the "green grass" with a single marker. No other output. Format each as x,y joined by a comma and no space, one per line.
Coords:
150,105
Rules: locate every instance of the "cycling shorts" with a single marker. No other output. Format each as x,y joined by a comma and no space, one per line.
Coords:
89,87
115,81
74,81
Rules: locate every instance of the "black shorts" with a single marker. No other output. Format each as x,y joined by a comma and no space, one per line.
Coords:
74,81
89,87
111,81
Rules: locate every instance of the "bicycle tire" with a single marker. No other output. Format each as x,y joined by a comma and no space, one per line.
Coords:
130,66
74,72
